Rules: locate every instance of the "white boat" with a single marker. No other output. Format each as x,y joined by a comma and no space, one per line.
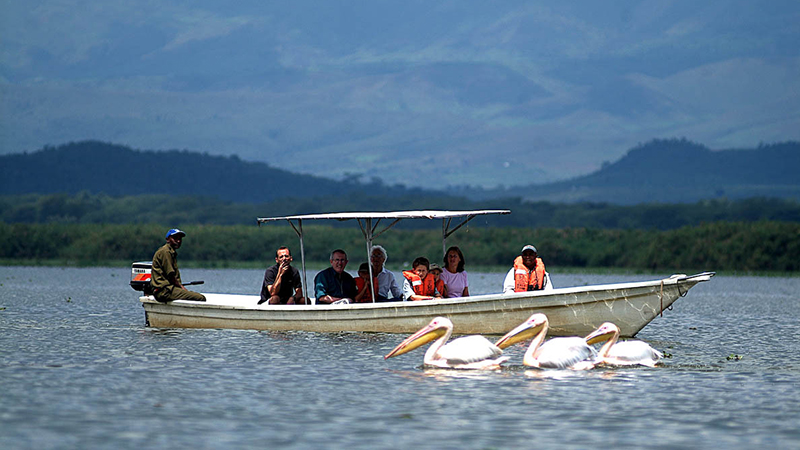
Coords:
570,310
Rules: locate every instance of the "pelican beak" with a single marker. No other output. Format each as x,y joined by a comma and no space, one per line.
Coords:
417,339
601,334
521,333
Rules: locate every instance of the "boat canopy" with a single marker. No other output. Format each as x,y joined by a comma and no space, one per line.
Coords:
421,214
369,222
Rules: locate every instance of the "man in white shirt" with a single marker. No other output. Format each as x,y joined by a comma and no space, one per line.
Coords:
386,281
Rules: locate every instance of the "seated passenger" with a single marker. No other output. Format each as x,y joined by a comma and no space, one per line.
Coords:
334,284
282,284
386,282
454,275
166,277
528,273
419,283
437,272
363,284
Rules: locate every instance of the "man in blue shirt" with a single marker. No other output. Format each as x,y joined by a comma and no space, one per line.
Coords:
334,284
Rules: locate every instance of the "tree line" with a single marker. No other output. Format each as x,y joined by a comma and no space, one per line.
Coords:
720,246
87,208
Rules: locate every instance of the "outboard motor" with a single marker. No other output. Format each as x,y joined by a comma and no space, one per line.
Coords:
140,277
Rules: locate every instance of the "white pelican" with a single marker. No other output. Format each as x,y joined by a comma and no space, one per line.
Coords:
557,353
625,353
468,352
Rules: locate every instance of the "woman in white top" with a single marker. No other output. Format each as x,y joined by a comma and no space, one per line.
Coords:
454,275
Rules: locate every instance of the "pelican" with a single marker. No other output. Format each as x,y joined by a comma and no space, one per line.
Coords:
468,352
557,353
625,353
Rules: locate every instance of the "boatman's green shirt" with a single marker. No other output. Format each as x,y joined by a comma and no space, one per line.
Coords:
165,264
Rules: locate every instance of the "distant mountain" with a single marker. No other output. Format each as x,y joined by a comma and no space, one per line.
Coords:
663,171
454,92
116,170
675,171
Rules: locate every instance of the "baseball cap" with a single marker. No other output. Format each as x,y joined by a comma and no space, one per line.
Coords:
175,231
529,247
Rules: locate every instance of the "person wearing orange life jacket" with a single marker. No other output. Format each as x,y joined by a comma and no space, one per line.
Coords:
440,287
419,283
363,284
528,273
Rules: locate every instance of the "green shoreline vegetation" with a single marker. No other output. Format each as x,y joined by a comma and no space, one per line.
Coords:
762,248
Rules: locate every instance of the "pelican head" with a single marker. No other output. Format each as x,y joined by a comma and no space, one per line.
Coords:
438,327
603,333
525,331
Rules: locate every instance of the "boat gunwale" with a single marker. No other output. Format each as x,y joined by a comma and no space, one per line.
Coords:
674,280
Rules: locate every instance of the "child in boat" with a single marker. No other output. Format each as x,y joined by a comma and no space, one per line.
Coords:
419,283
440,288
363,284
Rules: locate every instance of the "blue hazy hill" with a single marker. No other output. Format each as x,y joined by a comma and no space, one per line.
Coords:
660,171
117,170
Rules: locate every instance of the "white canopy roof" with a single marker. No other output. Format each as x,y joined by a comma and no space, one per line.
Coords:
423,214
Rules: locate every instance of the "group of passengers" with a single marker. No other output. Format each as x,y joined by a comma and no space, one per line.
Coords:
425,280
334,285
282,282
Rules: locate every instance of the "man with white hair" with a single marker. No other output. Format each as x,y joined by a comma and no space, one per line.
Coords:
386,281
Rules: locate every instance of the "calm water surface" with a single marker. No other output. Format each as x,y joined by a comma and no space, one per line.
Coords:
79,370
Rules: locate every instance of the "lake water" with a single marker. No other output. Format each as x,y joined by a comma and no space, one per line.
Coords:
78,369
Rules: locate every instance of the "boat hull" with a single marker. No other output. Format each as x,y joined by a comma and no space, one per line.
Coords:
571,311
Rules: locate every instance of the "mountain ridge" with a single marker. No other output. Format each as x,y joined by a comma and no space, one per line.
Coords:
659,171
681,171
118,170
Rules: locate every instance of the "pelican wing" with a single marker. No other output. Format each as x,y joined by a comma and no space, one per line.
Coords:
633,352
562,353
468,349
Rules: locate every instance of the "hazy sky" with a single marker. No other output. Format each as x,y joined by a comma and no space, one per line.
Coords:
415,92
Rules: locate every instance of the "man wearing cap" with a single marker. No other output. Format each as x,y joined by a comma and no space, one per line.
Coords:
528,273
165,275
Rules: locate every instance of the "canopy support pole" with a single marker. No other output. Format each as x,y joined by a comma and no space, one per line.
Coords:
367,229
299,233
445,224
446,232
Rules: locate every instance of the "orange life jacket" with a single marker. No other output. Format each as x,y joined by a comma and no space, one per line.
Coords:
360,286
424,287
524,277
